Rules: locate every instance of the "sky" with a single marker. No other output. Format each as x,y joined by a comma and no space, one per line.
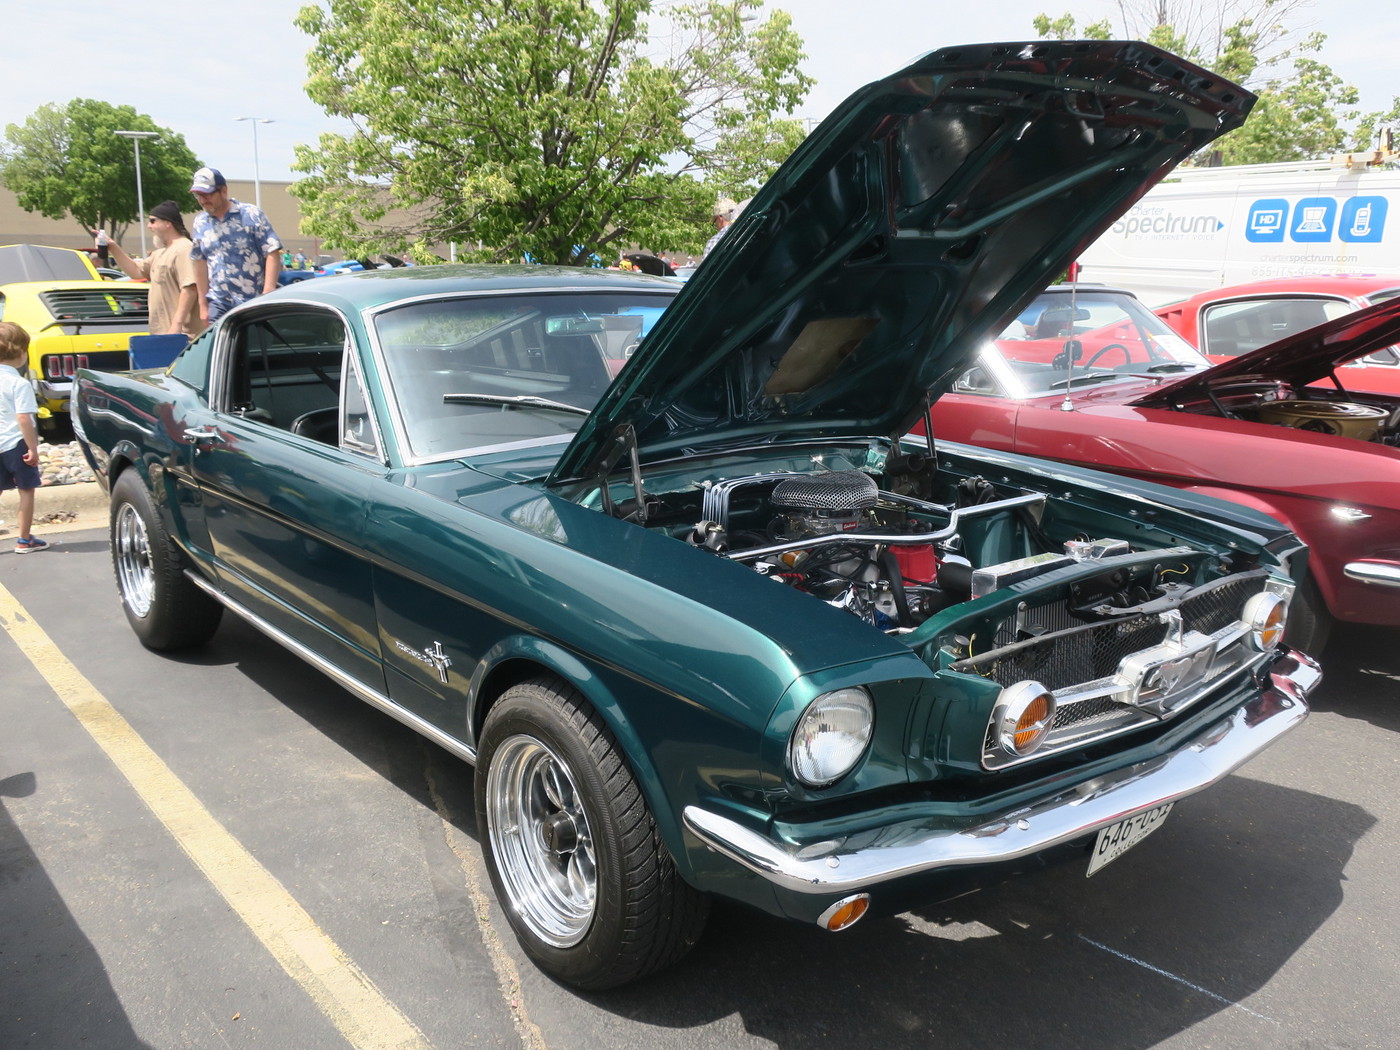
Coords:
194,68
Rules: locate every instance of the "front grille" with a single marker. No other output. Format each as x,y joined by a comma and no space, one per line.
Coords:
1065,658
1083,664
1065,651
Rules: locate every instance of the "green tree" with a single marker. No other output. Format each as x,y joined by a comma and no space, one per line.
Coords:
548,127
67,161
1303,106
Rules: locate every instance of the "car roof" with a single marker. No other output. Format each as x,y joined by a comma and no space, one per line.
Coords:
1344,284
371,289
37,262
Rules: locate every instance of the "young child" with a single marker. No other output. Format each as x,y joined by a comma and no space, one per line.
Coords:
19,435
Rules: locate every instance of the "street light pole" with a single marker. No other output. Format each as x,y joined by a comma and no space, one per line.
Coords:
257,182
136,137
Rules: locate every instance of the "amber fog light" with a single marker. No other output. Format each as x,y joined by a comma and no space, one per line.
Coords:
1023,716
845,912
1266,615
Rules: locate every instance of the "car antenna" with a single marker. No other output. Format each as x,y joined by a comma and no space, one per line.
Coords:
1073,347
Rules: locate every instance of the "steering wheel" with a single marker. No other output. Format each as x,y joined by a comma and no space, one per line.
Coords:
1127,354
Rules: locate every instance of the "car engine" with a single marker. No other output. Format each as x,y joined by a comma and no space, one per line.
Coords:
893,560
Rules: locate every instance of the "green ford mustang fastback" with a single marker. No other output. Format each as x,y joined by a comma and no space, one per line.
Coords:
719,627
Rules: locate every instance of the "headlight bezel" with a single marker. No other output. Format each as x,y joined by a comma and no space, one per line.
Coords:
814,770
1265,616
1014,705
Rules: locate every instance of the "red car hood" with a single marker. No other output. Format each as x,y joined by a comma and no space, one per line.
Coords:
1296,360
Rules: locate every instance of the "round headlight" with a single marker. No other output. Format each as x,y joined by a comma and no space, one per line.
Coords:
831,736
1022,718
1266,615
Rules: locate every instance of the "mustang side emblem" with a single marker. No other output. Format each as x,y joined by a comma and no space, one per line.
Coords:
434,657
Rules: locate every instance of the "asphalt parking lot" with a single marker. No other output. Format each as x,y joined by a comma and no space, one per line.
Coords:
224,849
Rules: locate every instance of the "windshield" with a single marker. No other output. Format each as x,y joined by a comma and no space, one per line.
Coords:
1093,337
506,369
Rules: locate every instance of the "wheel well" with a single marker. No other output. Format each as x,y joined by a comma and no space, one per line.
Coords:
116,467
502,677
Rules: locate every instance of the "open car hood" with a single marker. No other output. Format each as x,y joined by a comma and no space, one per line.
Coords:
927,209
1298,359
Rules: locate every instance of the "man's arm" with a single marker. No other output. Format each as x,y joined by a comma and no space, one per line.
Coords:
185,310
201,284
133,267
274,269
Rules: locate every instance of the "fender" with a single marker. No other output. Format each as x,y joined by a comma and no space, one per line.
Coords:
500,667
1325,583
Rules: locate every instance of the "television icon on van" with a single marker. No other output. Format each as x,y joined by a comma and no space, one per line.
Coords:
1267,219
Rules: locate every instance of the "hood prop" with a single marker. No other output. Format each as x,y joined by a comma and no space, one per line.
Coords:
623,440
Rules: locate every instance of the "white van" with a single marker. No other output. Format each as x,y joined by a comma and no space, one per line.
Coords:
1208,227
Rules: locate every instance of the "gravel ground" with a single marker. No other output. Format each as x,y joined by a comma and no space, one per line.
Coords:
63,464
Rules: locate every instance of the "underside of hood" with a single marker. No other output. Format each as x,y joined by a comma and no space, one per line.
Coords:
1299,359
928,209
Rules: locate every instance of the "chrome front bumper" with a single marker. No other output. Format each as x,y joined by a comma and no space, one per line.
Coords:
865,859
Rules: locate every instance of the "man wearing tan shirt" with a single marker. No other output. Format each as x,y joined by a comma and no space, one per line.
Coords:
174,298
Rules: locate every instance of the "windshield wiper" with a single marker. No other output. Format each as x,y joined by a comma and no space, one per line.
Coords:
514,401
1089,377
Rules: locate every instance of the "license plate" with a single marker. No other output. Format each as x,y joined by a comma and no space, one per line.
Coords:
1117,839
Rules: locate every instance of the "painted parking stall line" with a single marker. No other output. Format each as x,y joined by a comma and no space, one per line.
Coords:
338,987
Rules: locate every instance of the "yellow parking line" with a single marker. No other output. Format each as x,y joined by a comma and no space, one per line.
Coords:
367,1019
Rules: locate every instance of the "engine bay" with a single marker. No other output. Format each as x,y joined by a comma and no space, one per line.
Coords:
894,560
1318,410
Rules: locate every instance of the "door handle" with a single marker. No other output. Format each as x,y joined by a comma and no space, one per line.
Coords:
198,434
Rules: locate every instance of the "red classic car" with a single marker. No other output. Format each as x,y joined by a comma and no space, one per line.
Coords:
1090,376
1226,322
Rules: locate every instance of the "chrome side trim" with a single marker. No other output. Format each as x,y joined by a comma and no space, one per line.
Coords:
1384,573
912,847
354,685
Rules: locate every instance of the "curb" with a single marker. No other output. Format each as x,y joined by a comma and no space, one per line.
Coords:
60,508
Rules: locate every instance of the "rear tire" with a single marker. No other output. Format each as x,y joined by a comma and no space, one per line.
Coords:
574,853
165,609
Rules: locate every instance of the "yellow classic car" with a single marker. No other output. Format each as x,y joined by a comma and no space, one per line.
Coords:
74,319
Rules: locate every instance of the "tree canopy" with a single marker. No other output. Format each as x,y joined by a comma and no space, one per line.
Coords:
67,160
1305,109
553,129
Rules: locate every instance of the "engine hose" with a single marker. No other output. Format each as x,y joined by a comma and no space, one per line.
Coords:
890,564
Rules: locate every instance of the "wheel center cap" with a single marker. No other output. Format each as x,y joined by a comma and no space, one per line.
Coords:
559,834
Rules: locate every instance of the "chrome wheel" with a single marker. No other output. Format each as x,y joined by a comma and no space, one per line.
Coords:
542,841
131,548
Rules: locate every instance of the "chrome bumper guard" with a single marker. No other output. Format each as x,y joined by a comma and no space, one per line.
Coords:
862,860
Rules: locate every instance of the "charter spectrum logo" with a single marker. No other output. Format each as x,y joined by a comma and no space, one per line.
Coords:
1166,224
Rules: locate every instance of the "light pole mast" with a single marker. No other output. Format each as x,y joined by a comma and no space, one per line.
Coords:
257,181
136,137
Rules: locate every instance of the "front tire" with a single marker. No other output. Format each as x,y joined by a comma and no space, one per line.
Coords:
574,853
165,609
1309,622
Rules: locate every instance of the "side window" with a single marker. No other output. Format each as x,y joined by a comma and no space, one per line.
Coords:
357,433
1231,329
192,366
284,369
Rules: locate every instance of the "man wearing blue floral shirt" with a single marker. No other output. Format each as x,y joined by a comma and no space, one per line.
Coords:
236,253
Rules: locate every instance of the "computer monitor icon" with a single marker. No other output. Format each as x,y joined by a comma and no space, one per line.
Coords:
1266,220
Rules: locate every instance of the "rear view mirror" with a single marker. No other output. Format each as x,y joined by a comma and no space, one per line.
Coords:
572,325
